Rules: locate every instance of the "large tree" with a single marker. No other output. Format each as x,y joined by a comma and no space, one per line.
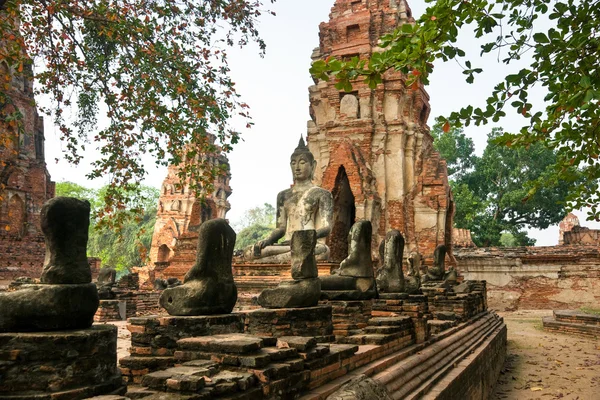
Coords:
561,40
158,69
494,196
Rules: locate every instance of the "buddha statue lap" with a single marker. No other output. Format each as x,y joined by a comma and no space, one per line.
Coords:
302,207
354,280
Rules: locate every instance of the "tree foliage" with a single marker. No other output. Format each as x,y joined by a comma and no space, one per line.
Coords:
126,247
256,224
159,69
560,39
490,198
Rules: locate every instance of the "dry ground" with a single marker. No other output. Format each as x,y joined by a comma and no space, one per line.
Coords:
539,365
544,365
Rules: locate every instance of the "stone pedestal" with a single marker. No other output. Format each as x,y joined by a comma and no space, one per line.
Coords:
309,321
60,365
47,307
349,317
154,339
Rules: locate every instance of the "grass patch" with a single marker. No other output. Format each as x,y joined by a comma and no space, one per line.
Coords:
589,310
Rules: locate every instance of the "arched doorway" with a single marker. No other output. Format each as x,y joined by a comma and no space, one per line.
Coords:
344,215
164,253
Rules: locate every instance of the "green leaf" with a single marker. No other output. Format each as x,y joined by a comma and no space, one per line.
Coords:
540,38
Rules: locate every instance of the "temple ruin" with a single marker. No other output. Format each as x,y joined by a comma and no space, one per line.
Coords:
180,213
25,183
373,147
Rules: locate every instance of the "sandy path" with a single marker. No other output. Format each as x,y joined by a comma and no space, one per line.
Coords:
544,365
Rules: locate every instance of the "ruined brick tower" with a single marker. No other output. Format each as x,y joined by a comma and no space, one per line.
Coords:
179,216
373,147
25,183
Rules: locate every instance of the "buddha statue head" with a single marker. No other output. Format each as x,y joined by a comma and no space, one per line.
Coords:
302,163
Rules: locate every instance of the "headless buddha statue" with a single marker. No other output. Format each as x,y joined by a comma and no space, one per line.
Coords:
304,206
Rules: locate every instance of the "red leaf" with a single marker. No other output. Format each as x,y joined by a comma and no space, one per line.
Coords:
446,127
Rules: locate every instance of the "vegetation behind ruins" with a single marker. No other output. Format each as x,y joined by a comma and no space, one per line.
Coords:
492,193
129,245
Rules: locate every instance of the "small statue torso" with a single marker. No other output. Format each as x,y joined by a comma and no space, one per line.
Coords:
302,209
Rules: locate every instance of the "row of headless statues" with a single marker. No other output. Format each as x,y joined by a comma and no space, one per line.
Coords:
66,298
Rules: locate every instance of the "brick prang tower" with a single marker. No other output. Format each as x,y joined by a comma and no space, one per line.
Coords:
25,183
373,147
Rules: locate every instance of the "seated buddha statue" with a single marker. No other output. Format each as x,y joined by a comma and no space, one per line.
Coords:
304,206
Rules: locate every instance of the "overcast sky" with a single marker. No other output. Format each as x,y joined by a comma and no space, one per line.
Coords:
276,88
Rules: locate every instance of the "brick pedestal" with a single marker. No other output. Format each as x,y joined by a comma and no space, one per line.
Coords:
111,310
413,306
349,317
60,365
310,321
154,339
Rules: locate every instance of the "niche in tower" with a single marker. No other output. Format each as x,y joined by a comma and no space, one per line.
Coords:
344,215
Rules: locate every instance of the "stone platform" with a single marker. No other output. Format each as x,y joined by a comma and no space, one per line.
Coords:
573,322
154,338
461,362
309,321
59,365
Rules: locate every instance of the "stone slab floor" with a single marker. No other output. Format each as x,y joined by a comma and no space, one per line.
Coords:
539,365
544,365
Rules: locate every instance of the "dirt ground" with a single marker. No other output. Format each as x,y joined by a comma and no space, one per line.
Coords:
539,364
544,365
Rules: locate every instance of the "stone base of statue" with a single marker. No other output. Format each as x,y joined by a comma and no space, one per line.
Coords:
200,297
349,317
47,307
75,364
309,321
339,287
292,294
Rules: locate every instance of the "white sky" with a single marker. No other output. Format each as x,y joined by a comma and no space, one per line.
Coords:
276,88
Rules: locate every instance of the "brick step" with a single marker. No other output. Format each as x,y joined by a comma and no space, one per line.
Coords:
202,380
383,330
150,363
420,371
437,326
571,316
390,321
226,343
550,324
377,339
